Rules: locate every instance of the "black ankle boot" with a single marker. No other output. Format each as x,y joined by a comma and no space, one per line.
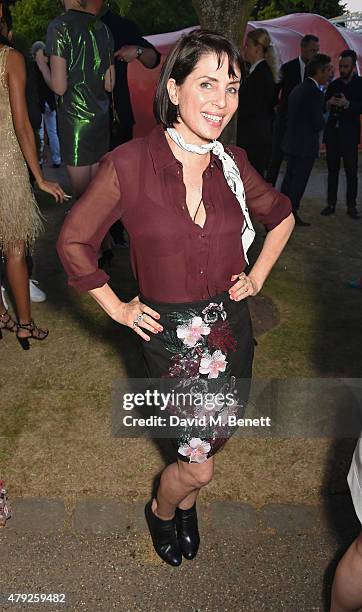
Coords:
164,537
187,531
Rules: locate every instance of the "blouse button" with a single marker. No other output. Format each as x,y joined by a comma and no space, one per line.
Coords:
201,271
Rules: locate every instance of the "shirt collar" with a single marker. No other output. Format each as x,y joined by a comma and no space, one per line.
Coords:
314,81
161,153
253,66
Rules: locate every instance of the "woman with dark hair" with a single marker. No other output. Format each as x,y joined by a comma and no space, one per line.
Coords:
81,72
20,220
184,202
257,98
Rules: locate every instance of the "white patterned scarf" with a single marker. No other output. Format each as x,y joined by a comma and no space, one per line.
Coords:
232,176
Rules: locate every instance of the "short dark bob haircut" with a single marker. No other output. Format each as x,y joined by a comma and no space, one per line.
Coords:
182,60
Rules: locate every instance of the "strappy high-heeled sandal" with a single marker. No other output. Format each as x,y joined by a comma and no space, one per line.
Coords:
37,333
6,322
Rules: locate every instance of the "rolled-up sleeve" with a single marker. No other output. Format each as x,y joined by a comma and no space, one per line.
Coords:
85,227
265,203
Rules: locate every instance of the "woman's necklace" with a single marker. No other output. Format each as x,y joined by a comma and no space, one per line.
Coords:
197,210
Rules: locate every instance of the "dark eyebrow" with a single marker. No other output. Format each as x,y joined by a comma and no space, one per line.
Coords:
217,80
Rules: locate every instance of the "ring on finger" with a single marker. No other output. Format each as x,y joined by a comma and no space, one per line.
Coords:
140,317
135,324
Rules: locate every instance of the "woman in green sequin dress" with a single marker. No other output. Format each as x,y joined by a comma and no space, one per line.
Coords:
80,48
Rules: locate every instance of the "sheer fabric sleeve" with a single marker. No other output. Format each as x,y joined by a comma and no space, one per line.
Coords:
85,227
265,203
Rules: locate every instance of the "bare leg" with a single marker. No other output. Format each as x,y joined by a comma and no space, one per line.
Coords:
347,583
80,177
179,485
18,278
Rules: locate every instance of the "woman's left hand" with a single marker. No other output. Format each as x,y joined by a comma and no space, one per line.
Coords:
243,288
54,189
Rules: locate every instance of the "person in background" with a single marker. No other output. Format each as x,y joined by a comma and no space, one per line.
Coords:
35,118
81,72
292,73
129,47
48,110
20,219
257,99
5,508
342,132
305,121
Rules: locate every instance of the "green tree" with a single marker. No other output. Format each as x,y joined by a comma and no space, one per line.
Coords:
119,6
264,9
229,17
31,18
157,16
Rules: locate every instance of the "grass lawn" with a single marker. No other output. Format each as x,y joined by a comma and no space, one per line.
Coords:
55,398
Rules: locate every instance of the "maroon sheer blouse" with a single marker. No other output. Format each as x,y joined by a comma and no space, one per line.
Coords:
173,259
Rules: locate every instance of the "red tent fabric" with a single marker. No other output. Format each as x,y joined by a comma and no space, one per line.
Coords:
286,33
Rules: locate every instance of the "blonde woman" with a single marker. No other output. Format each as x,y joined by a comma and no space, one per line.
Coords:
257,98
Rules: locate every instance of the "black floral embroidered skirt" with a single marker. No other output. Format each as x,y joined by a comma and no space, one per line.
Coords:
206,348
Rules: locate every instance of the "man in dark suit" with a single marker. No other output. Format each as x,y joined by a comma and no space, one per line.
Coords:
305,121
342,132
291,74
256,100
129,46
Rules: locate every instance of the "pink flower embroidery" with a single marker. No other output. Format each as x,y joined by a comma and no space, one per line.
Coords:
196,450
190,334
213,364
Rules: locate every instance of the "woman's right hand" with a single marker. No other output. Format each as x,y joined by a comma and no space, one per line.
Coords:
54,189
135,311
